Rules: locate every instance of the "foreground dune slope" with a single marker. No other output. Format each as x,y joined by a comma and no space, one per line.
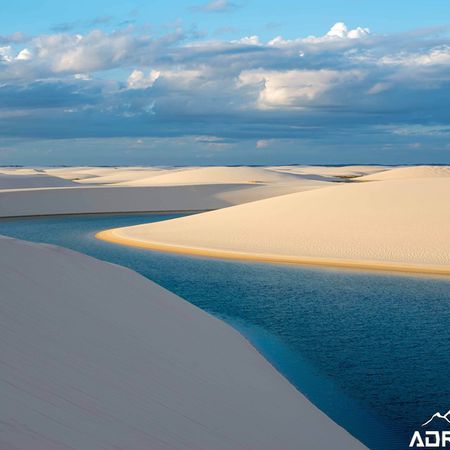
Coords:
394,224
94,356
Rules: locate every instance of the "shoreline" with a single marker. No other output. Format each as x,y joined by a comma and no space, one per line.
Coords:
110,235
109,213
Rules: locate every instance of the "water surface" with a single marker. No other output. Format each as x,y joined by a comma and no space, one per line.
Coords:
372,350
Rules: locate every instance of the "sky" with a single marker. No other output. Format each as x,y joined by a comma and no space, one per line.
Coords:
224,82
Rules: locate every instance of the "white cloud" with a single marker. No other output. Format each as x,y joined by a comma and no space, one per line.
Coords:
247,40
138,80
5,54
24,55
436,56
82,76
263,143
340,30
337,33
293,88
378,88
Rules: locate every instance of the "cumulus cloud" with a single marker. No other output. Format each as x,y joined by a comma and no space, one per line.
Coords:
247,40
24,55
138,80
340,30
294,88
338,34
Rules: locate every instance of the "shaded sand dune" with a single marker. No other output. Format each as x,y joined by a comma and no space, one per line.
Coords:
107,199
95,356
398,173
100,189
394,224
83,200
35,180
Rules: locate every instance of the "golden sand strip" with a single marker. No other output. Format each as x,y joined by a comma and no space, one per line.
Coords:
112,236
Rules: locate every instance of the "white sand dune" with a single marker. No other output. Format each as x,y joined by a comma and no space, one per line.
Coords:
213,175
35,180
394,224
19,171
81,173
330,172
94,356
107,199
100,189
399,173
85,200
123,176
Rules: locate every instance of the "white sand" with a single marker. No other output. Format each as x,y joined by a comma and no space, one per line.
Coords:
95,356
213,175
399,173
101,189
394,224
19,171
330,172
80,173
20,181
123,176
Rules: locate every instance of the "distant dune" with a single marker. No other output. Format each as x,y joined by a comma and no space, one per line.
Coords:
19,181
95,356
330,172
123,175
409,172
393,224
132,189
213,175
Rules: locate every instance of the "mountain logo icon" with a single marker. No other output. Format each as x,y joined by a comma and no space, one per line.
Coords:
438,416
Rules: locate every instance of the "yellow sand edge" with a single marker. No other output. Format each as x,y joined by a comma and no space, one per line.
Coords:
111,236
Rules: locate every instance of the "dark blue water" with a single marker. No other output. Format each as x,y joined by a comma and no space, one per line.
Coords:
371,350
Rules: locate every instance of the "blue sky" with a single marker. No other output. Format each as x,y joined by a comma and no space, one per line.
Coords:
224,82
262,17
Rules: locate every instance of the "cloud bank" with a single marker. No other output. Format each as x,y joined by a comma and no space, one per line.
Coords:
348,85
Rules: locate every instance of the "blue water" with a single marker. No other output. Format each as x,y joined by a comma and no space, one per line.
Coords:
371,350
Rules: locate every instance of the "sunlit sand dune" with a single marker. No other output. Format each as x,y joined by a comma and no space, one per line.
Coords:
80,173
330,171
393,224
409,172
213,175
123,176
95,356
19,171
